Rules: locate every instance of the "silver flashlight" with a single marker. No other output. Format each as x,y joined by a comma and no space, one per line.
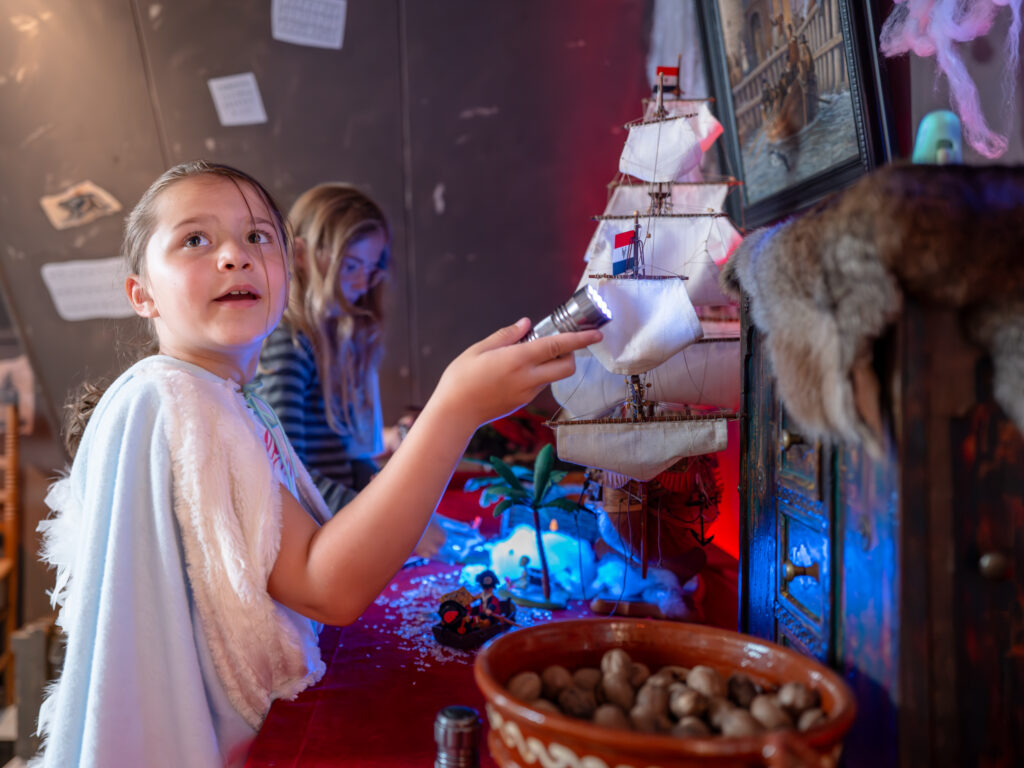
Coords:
584,310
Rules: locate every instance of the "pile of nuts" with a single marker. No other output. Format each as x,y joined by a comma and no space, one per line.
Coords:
675,700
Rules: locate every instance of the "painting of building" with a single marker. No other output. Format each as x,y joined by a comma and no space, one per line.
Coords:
786,61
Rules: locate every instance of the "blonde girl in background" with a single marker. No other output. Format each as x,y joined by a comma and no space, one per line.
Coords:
195,558
319,367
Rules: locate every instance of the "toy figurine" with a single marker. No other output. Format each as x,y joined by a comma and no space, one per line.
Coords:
523,580
488,609
467,620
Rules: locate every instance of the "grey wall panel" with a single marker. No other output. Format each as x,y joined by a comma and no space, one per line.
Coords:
487,131
516,114
332,115
75,106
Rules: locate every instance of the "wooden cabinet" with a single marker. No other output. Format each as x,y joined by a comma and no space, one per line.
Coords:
905,572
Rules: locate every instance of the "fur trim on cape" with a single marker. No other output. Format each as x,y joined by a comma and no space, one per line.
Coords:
227,505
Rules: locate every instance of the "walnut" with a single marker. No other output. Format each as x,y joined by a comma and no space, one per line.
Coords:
741,689
766,710
616,690
718,708
654,698
691,726
648,721
555,679
706,680
739,722
525,686
810,718
616,660
638,674
674,689
611,716
586,677
688,703
577,702
796,697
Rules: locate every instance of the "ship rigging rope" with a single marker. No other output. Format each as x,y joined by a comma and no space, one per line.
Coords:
583,376
704,378
654,174
706,252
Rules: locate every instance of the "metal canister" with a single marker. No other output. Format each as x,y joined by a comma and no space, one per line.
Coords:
457,733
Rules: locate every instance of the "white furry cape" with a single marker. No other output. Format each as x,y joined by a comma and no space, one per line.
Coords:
165,535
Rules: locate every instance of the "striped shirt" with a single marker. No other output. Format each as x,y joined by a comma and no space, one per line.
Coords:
340,464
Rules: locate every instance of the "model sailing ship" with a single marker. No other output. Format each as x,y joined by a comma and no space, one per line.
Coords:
649,405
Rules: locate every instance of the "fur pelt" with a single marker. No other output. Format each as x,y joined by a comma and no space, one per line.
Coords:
824,285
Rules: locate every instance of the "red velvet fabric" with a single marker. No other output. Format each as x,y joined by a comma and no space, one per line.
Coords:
387,678
376,705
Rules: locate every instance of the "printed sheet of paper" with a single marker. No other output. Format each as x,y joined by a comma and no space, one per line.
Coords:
88,289
78,204
316,23
237,99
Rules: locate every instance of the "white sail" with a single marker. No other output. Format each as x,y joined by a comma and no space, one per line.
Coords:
663,150
702,374
654,320
640,450
691,197
683,245
707,373
704,124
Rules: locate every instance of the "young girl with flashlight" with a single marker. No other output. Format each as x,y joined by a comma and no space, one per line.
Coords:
319,367
194,553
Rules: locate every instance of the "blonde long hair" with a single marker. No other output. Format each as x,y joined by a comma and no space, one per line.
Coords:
346,337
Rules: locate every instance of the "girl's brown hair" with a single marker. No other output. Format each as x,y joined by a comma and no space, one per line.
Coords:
138,229
346,336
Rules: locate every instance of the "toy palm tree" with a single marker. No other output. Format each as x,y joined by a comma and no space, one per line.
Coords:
510,489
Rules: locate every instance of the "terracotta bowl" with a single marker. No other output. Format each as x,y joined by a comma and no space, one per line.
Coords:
522,735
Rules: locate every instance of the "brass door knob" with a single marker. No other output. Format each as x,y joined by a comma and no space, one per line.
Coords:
790,571
789,439
994,566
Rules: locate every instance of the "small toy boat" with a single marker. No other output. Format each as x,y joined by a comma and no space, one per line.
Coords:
471,638
468,621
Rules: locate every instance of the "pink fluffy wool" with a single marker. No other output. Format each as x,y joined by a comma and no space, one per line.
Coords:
935,27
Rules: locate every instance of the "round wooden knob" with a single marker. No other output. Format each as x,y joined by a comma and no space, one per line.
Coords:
994,566
791,571
789,439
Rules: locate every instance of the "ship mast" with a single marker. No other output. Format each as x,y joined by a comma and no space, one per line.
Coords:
660,191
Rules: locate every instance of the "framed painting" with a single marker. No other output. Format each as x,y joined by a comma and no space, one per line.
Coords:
798,92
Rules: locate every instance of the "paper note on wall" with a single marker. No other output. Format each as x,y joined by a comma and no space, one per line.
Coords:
78,204
237,99
316,23
88,289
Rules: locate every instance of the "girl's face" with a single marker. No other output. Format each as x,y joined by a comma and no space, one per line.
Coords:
216,277
360,266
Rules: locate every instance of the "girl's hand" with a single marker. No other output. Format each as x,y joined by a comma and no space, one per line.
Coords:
496,376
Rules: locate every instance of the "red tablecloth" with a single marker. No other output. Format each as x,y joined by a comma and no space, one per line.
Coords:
387,678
